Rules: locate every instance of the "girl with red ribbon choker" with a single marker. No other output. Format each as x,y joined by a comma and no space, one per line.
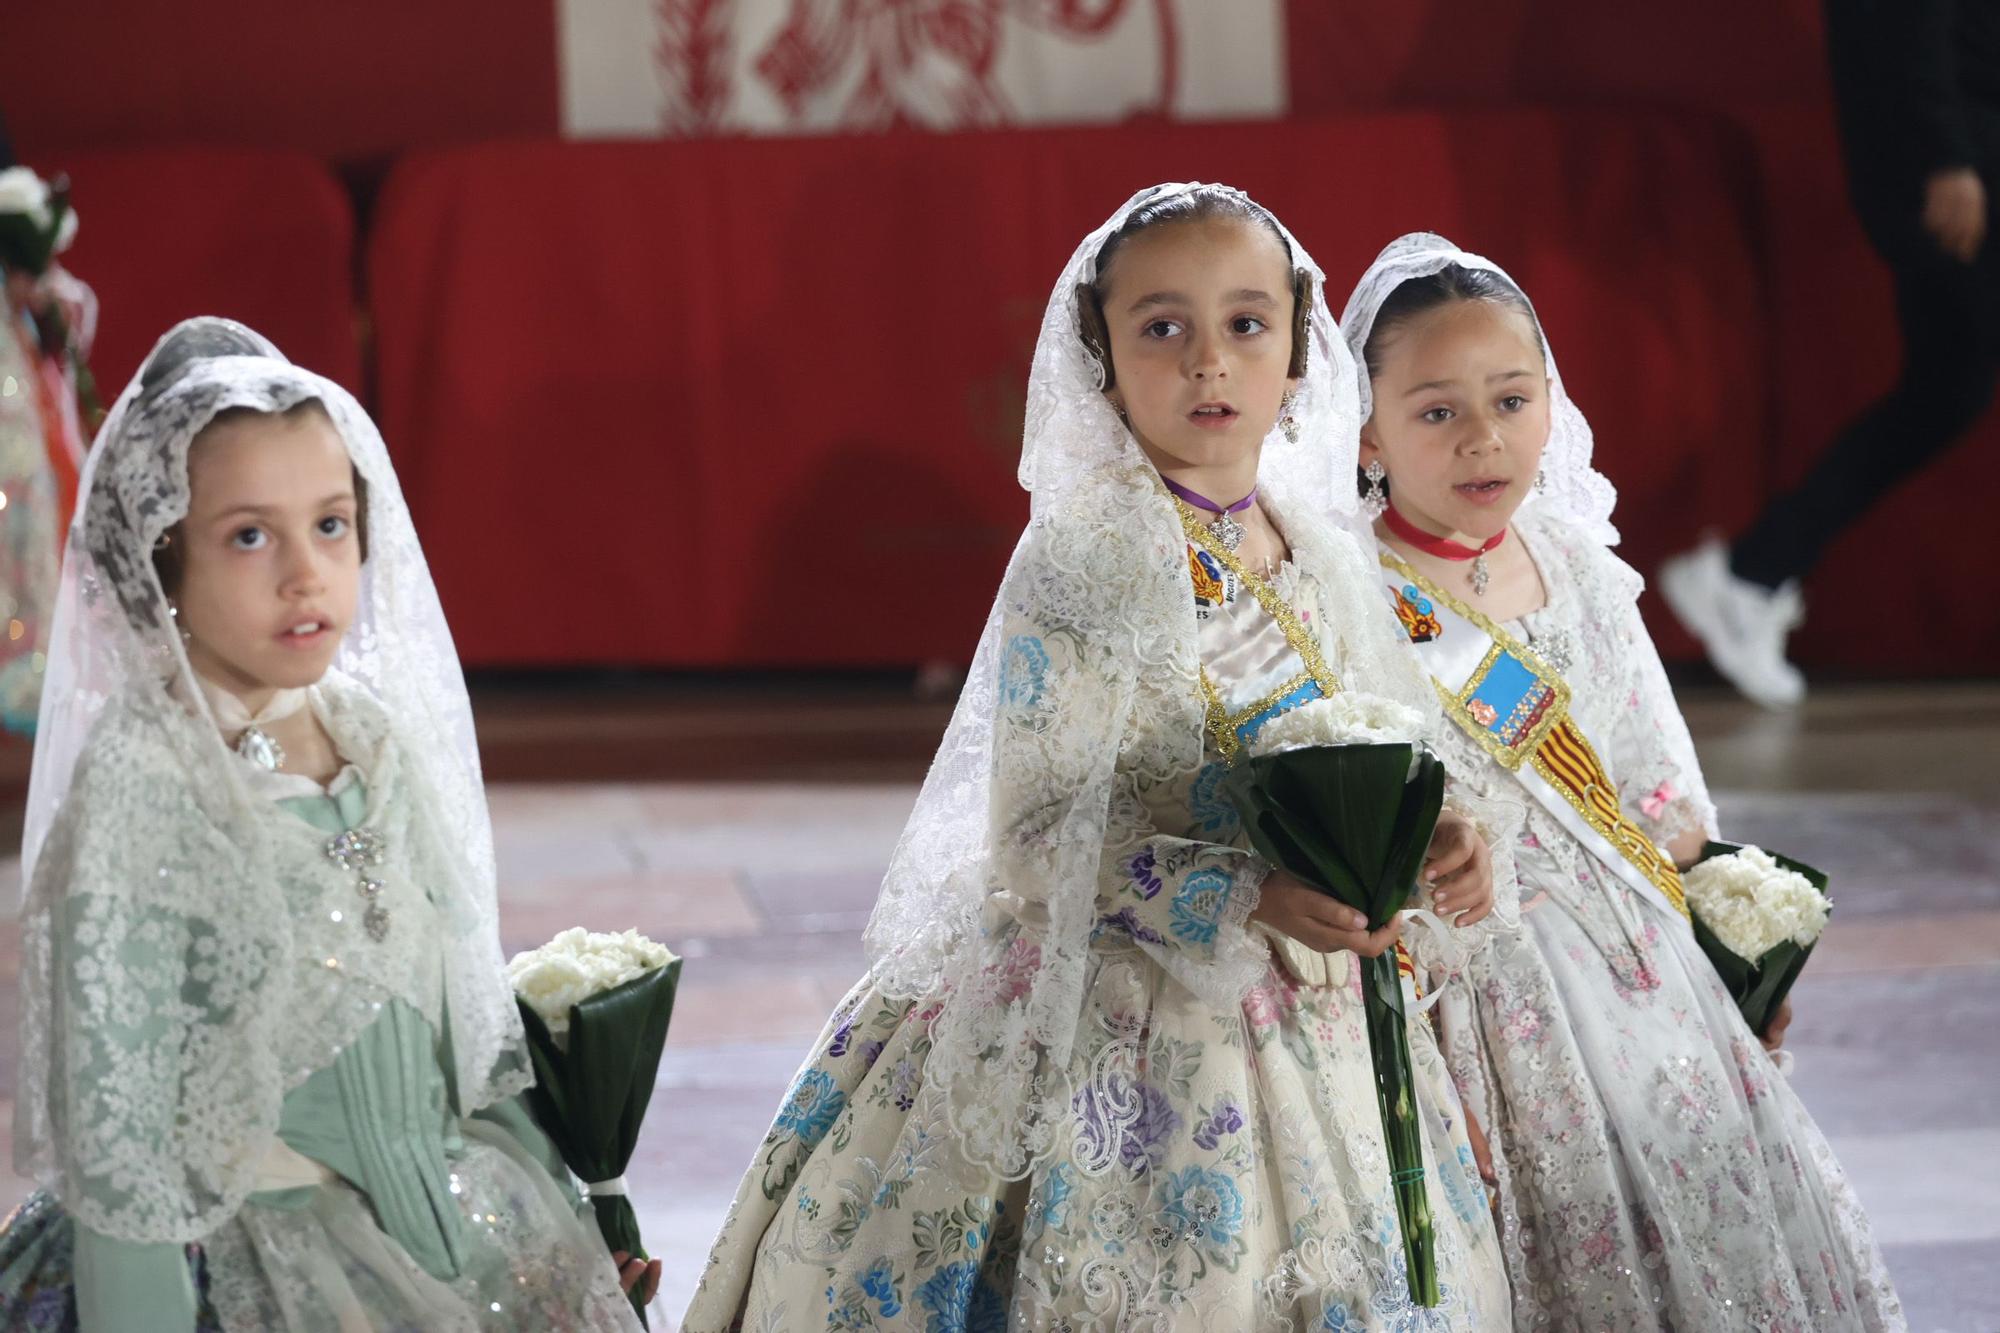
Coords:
1581,1050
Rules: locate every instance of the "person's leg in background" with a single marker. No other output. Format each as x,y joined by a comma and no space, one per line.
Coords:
1950,367
1741,600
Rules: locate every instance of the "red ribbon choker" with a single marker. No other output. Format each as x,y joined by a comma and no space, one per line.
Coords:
1442,547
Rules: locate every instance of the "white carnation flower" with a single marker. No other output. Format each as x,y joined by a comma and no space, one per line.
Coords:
1751,904
578,964
22,191
1342,718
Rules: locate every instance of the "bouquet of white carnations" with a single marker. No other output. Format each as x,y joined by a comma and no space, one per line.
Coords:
596,1009
1757,917
1343,718
1342,793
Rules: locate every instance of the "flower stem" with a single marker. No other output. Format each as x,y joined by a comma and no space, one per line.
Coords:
1402,1130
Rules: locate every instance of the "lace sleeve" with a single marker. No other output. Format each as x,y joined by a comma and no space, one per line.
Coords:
1651,753
1446,951
1181,893
1062,704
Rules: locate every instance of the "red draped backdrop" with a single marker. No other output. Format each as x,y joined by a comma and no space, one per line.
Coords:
730,401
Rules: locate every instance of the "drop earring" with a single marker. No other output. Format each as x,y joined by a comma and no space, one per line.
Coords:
1287,423
1376,498
174,614
1541,481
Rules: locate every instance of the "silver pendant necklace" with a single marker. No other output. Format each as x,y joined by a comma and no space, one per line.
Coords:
253,743
1479,576
1223,526
257,745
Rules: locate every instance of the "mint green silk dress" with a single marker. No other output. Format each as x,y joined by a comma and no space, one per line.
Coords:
437,1220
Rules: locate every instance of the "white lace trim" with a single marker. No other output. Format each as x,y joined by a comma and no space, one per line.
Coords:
177,928
1082,697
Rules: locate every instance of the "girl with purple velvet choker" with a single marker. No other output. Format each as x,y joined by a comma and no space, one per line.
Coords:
1107,1069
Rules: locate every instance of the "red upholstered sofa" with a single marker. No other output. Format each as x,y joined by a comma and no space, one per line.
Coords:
264,237
758,403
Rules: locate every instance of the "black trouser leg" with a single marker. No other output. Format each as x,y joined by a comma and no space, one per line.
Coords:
1951,361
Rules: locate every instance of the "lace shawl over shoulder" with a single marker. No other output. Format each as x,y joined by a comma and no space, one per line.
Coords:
1083,696
182,962
197,970
1619,689
149,961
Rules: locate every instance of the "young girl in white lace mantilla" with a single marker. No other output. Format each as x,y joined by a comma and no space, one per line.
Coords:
1075,1090
1654,1167
269,1058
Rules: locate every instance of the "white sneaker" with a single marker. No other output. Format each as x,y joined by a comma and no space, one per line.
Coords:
1743,626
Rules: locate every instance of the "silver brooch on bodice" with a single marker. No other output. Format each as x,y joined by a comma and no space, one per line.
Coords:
361,850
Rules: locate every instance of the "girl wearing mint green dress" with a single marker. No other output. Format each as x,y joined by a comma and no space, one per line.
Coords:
270,1062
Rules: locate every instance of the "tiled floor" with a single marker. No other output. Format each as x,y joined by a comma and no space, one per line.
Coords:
763,876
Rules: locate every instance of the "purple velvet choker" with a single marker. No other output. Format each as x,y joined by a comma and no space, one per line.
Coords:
1226,529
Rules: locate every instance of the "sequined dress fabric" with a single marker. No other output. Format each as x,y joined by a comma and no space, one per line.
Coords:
1657,1171
379,1205
1221,1168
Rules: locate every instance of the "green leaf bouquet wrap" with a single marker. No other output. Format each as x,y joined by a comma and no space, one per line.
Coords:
1757,916
1354,821
596,1009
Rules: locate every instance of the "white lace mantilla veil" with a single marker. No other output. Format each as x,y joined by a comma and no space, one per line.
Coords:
1572,490
171,993
1035,786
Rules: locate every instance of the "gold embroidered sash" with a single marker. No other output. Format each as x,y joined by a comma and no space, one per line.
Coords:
1517,709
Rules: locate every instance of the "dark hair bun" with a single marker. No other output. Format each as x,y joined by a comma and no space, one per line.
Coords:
201,339
1452,283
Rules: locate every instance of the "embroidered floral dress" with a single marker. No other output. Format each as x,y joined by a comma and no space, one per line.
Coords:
1657,1171
1222,1169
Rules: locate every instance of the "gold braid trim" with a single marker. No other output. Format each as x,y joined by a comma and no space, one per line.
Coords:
1222,724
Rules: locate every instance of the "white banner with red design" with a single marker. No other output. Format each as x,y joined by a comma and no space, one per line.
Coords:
687,67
